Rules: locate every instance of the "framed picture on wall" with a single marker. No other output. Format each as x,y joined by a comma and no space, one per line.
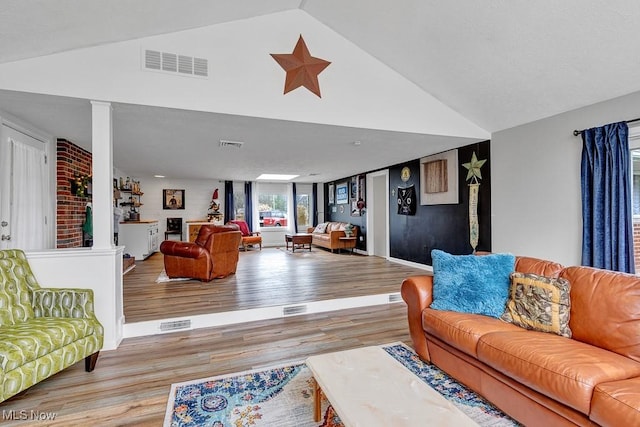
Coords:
354,187
332,194
342,193
172,199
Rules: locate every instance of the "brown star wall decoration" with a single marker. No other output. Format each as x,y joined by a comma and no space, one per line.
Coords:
302,69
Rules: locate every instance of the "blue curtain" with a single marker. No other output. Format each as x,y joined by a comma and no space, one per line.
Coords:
295,209
248,204
607,230
314,197
228,201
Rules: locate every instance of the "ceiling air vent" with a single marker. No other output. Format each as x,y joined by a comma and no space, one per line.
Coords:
152,59
169,62
231,144
173,63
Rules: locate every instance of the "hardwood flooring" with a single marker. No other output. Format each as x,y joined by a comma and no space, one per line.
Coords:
130,385
270,277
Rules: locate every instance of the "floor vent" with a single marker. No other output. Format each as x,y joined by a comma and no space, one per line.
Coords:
175,64
395,297
295,309
231,144
175,325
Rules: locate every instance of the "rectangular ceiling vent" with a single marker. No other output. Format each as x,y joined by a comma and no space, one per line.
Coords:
230,144
183,65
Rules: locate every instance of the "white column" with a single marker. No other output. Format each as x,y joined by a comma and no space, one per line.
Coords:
102,171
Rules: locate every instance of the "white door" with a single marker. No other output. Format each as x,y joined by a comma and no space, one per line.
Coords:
378,213
24,195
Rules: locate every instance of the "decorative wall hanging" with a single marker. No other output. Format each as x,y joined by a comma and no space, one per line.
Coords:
342,193
407,200
439,179
81,185
332,194
474,188
172,199
302,69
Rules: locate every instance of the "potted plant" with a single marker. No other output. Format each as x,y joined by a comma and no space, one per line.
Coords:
348,230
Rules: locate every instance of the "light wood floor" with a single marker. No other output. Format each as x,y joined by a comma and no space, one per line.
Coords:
266,278
130,385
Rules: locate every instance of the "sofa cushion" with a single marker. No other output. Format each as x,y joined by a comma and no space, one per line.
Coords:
539,303
27,341
542,267
335,226
470,283
461,330
320,228
563,369
616,403
610,301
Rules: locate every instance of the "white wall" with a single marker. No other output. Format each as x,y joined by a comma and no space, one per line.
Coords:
197,198
535,181
244,79
99,270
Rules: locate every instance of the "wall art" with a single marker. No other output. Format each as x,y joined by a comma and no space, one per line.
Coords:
172,199
439,179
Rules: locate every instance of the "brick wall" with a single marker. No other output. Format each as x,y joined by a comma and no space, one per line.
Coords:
70,209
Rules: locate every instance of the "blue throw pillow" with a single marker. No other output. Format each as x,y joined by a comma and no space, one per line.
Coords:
471,283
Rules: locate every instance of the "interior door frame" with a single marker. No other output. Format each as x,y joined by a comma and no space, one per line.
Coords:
17,125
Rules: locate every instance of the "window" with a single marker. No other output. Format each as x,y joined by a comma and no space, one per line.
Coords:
304,206
273,205
238,201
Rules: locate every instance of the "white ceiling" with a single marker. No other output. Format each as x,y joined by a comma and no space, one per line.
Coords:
498,63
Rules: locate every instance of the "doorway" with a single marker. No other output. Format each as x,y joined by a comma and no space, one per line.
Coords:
378,214
25,199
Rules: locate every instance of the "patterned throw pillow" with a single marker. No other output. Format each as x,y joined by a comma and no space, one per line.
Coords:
321,228
539,303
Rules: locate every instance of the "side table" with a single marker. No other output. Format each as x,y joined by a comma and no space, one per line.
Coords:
348,243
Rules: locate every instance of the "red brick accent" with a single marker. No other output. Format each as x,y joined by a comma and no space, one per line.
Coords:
70,209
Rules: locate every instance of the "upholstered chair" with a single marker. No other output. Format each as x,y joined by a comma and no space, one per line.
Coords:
249,238
42,330
213,255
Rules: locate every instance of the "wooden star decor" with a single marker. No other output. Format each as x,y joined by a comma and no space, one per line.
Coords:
302,68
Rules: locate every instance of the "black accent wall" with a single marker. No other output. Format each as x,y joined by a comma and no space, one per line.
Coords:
445,227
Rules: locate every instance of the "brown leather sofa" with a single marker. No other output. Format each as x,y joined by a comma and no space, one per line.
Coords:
329,237
541,378
214,254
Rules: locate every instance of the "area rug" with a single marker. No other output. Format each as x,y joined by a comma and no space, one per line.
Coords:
163,278
282,396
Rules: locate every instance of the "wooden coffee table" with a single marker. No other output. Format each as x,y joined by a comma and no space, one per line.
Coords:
368,387
299,240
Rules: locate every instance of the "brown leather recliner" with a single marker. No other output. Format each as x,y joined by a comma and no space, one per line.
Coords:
213,255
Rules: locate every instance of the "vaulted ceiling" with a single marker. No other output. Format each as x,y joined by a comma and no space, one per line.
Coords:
493,64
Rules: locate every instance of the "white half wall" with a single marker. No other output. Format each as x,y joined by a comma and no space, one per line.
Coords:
99,270
536,203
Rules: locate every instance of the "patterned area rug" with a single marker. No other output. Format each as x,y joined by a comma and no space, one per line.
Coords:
283,396
163,278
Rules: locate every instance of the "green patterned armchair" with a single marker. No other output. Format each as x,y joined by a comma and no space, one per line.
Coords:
42,330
